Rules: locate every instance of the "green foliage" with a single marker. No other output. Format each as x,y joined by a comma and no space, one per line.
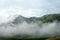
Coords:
44,19
50,18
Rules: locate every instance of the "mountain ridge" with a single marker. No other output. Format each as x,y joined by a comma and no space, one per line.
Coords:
44,19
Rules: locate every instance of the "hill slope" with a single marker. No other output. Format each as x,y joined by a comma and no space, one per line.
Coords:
44,19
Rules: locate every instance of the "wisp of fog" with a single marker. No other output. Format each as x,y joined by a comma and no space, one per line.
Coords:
31,30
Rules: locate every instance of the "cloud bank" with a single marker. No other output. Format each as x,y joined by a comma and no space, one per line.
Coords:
31,7
32,30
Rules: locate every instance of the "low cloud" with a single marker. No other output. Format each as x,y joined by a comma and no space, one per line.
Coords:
32,30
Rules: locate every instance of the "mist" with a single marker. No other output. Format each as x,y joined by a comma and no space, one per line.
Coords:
31,30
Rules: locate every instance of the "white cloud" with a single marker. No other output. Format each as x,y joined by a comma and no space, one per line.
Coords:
29,7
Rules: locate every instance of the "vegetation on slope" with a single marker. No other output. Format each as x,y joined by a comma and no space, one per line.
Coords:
44,19
50,18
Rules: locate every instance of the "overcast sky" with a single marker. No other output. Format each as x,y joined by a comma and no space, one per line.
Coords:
29,8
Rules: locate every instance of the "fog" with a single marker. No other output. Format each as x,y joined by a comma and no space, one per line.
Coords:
31,30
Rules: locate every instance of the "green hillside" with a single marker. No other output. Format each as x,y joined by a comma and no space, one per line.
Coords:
50,18
44,19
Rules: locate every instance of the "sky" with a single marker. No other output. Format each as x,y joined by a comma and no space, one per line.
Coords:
28,8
